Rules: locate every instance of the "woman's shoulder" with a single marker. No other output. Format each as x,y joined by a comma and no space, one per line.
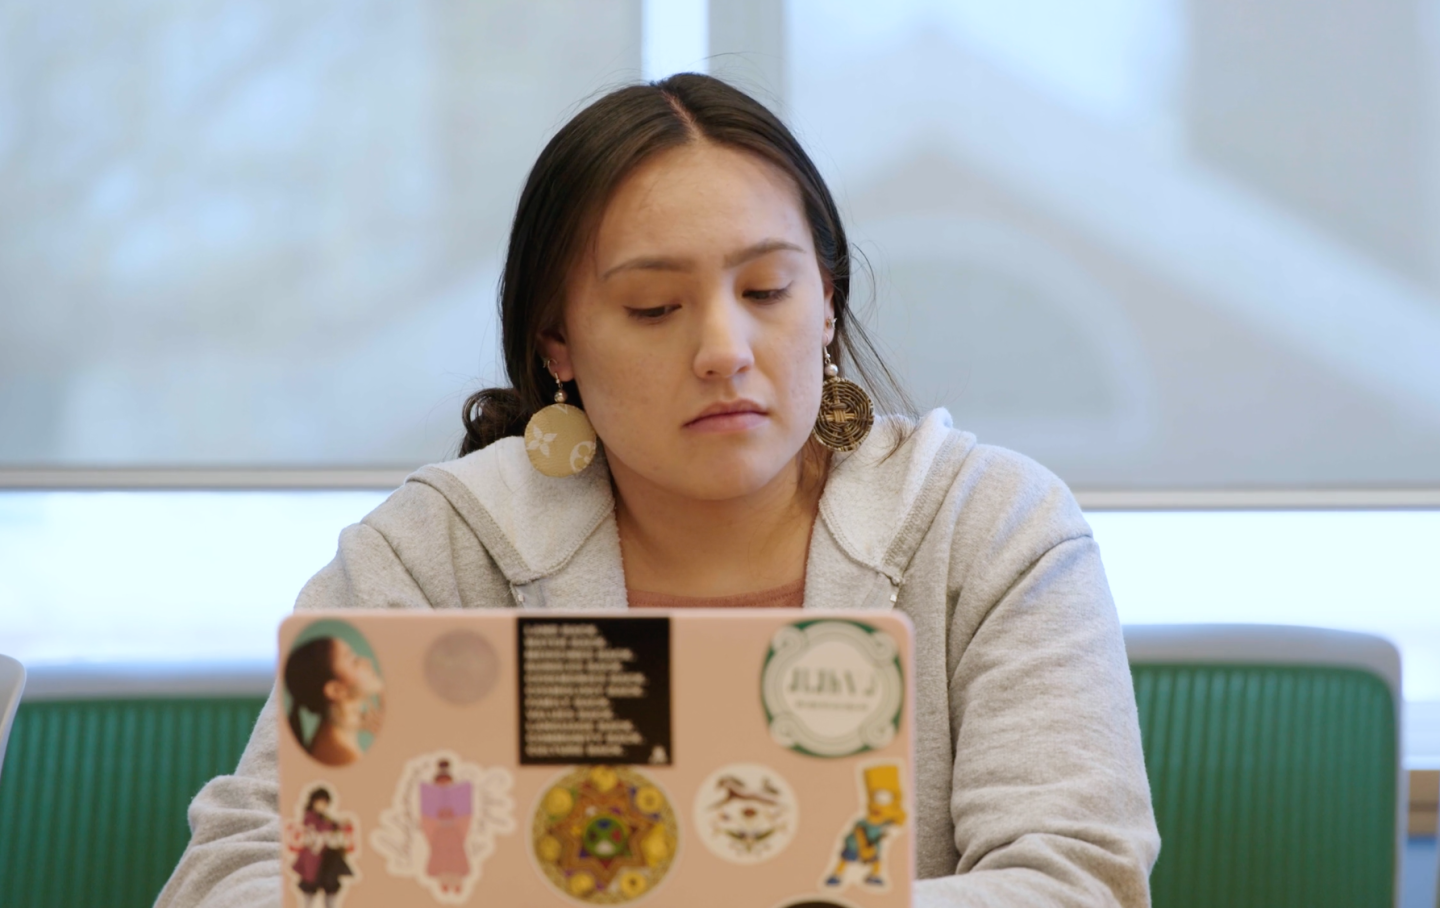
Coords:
999,480
494,503
1004,510
927,472
418,548
415,517
906,459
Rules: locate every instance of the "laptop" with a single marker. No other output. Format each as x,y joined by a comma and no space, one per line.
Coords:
760,758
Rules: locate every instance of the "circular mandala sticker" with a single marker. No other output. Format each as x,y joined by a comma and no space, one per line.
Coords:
746,813
604,834
832,688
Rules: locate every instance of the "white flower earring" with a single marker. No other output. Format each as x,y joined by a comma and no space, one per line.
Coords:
559,439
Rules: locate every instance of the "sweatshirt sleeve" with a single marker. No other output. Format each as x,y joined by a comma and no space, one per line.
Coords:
1049,798
233,859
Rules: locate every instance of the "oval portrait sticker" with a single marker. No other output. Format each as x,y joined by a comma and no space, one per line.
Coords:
832,688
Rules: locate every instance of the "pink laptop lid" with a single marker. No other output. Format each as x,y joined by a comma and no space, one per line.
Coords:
526,758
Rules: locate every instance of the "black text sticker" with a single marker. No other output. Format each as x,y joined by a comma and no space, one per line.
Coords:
594,690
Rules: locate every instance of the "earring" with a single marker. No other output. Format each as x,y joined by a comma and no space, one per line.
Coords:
846,413
559,438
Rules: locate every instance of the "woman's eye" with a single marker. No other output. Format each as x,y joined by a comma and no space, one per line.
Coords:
778,293
652,314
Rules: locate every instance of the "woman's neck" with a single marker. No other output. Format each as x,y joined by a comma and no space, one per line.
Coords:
682,546
335,745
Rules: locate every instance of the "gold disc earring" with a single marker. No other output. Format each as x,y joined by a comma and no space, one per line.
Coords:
846,413
559,438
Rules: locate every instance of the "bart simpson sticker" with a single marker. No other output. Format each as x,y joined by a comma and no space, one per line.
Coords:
863,845
442,823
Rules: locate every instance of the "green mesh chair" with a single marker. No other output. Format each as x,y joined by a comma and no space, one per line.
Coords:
100,768
1273,756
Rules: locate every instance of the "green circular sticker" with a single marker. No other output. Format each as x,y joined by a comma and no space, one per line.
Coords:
832,688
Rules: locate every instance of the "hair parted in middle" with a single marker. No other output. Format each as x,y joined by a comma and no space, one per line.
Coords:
564,199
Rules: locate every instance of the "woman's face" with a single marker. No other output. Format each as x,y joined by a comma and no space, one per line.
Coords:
694,326
355,676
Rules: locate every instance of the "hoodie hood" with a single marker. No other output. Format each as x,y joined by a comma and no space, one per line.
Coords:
879,501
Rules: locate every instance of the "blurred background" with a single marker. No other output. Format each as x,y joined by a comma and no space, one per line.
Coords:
1186,253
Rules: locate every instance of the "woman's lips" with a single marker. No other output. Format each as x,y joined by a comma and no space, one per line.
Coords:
735,417
727,422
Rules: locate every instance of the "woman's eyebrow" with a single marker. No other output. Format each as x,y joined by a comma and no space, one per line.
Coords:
733,260
764,247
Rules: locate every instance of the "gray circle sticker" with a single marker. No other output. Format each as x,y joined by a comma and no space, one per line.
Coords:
461,667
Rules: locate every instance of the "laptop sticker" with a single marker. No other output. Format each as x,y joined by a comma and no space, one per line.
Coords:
334,696
832,688
863,844
461,667
442,823
322,843
746,813
604,835
594,690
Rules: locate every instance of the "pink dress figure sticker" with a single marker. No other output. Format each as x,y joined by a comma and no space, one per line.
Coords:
442,822
445,819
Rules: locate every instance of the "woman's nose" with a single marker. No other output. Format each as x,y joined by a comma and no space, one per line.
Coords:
724,349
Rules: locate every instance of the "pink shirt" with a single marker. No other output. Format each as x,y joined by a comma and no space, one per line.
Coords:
791,595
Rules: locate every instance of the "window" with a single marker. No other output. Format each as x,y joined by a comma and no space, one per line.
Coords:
207,576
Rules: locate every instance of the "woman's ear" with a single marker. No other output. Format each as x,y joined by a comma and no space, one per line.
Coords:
554,349
335,690
829,311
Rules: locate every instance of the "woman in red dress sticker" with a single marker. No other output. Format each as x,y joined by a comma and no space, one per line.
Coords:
321,842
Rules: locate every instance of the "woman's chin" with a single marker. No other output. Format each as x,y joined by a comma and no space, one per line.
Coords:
714,467
733,477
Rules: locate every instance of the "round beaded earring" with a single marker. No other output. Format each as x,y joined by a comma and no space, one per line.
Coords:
846,413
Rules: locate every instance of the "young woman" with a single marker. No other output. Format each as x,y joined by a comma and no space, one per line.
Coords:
320,861
339,686
445,821
677,271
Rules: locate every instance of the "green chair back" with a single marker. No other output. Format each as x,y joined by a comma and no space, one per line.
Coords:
93,794
1274,786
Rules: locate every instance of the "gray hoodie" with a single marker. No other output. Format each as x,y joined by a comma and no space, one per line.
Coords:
1030,784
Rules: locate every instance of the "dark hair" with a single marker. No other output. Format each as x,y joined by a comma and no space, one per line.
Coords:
308,669
320,792
566,192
